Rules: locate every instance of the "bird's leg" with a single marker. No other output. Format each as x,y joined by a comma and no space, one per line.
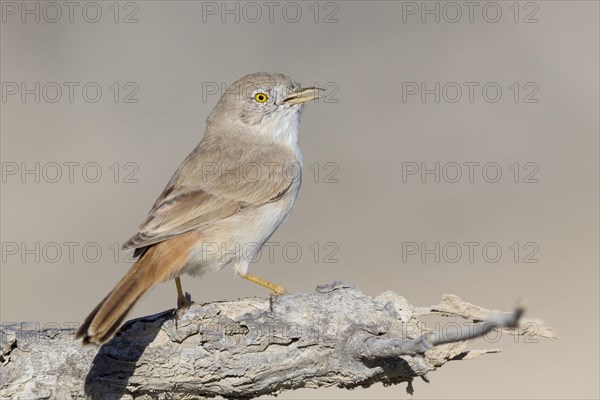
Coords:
184,300
278,289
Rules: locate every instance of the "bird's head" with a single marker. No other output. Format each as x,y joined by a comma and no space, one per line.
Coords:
266,104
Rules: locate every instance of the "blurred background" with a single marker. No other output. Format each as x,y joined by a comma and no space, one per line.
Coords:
456,152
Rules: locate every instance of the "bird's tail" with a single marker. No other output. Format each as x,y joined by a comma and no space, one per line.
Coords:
158,263
104,321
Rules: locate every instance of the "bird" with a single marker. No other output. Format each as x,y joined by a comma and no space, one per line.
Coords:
224,201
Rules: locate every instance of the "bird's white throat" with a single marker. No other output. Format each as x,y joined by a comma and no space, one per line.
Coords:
283,125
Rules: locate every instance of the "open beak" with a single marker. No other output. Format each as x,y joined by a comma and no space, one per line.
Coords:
303,95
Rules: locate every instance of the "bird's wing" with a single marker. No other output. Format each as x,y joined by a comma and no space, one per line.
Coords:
215,182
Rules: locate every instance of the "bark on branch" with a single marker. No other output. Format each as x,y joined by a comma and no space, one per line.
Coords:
336,336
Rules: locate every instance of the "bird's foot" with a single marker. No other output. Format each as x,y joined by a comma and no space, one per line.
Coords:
184,301
277,289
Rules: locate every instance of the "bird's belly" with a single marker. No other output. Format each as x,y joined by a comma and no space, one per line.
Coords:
237,238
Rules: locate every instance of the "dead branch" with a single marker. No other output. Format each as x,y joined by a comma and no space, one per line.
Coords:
336,336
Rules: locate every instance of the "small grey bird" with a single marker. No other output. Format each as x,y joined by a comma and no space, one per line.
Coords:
224,201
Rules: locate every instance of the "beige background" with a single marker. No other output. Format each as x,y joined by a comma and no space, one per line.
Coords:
368,134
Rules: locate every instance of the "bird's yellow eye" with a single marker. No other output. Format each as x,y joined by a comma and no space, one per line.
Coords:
261,97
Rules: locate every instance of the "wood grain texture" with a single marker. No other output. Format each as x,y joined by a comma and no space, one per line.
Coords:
335,336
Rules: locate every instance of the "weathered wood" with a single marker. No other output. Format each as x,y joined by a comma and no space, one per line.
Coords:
336,336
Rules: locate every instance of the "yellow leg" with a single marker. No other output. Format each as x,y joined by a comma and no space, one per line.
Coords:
182,299
279,290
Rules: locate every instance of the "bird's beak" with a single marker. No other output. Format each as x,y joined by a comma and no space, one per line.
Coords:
303,95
